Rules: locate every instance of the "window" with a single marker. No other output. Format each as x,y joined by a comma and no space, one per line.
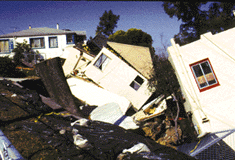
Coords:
102,62
53,43
6,46
204,75
70,39
138,81
37,43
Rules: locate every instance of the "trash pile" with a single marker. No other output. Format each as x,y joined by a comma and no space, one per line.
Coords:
38,131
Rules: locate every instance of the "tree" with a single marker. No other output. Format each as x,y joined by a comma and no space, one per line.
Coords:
133,36
164,80
24,51
196,21
107,23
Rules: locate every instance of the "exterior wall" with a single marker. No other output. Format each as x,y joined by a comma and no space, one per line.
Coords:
117,77
71,60
216,103
86,58
45,52
74,61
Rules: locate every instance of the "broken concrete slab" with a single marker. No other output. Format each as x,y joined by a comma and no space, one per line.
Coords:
111,113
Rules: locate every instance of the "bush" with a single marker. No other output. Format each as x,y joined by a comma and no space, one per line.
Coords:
7,68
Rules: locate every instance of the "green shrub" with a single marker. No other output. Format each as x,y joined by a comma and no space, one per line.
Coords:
7,67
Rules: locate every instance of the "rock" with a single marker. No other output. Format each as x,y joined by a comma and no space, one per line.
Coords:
62,131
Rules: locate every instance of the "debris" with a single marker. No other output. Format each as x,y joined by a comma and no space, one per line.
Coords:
108,141
111,113
81,122
62,131
7,150
66,137
14,95
151,110
140,147
81,142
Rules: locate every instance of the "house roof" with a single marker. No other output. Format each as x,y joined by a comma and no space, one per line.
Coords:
40,32
100,40
137,56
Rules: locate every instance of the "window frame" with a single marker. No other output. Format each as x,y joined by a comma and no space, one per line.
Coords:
10,46
208,86
30,39
99,66
73,39
135,81
49,38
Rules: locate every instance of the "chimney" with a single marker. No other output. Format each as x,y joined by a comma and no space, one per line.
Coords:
57,26
29,26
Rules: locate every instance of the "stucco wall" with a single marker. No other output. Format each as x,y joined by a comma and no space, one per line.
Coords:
217,103
117,77
46,52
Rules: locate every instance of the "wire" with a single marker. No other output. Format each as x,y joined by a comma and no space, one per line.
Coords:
196,146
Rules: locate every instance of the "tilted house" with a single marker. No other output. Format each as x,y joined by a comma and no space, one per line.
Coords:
124,70
50,42
205,70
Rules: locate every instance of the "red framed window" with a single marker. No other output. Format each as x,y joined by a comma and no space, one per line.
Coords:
204,75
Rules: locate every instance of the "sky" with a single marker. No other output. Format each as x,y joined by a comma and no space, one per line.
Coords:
150,17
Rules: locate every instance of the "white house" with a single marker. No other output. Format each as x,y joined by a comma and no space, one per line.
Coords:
205,70
50,42
122,69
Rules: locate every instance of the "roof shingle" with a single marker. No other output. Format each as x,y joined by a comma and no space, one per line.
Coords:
139,57
40,32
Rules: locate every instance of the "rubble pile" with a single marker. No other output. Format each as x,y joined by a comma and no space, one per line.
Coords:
39,132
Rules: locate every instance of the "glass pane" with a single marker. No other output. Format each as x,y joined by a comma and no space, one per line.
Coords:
105,63
206,67
197,70
53,42
135,85
202,81
69,39
210,78
100,61
42,42
1,46
36,43
6,46
139,80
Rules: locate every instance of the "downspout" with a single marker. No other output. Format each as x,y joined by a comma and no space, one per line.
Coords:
197,101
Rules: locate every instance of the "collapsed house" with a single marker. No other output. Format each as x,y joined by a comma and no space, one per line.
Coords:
119,68
204,71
